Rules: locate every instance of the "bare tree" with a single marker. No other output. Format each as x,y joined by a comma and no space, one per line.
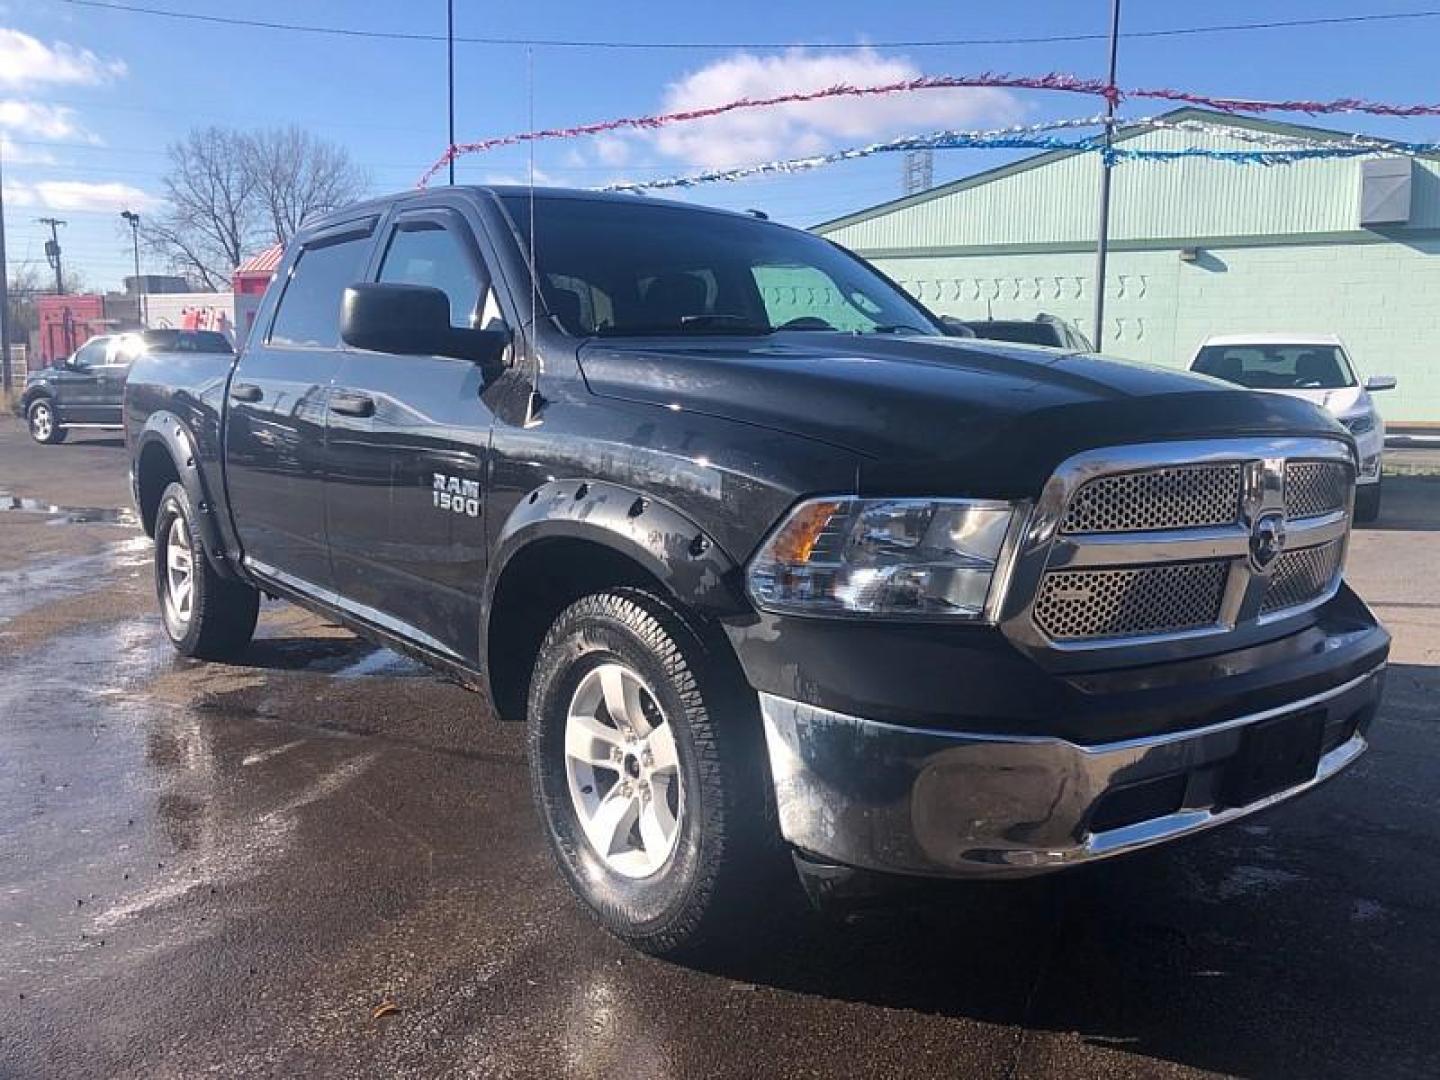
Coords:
298,176
230,193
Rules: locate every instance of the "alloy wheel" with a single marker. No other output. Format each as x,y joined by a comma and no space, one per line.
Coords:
623,771
42,422
179,574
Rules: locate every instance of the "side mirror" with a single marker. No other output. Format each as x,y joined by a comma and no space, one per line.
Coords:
1380,382
414,320
954,327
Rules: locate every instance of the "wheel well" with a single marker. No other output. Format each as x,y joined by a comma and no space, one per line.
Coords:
541,581
153,474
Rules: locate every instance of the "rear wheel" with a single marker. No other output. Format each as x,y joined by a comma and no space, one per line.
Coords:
44,422
207,616
1367,503
645,761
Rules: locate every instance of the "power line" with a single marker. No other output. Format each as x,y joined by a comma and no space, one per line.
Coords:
576,43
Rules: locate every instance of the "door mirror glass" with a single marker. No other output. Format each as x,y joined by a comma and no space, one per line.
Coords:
1380,382
414,320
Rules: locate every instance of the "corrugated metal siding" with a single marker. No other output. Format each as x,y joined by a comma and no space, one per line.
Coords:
1187,199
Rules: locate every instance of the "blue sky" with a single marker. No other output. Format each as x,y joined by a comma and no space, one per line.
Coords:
90,98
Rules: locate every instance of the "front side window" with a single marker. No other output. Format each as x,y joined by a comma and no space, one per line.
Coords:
309,313
620,267
429,254
1277,367
92,353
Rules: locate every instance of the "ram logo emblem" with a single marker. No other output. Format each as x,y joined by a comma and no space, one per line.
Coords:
456,495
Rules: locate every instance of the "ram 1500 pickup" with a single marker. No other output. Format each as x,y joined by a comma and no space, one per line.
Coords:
764,559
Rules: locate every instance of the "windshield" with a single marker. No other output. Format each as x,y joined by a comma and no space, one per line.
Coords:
1277,367
608,267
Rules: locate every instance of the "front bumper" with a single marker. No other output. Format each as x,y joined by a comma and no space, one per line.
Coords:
909,800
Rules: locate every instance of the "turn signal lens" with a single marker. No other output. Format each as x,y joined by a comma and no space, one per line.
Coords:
884,558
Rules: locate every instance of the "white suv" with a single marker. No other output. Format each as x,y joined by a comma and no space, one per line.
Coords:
1314,367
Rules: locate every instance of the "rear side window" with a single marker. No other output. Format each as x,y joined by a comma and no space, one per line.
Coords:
428,254
309,314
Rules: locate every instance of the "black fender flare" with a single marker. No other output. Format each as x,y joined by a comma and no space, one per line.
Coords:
168,431
670,546
33,393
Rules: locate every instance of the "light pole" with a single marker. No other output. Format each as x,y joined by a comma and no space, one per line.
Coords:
1102,244
134,220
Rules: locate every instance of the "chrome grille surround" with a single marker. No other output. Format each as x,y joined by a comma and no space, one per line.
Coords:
1183,584
1178,497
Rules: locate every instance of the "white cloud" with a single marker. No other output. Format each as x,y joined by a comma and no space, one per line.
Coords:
522,179
27,62
79,195
42,121
611,150
753,135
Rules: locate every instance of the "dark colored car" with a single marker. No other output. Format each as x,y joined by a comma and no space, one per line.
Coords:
767,562
1048,330
85,389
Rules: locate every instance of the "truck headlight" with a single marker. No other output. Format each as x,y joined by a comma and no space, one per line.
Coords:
883,558
1360,423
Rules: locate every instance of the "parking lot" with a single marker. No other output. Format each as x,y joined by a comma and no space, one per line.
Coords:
235,868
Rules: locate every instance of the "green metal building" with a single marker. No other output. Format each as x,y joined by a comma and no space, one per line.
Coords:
1198,247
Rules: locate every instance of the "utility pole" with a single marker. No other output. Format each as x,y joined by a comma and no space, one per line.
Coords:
52,251
450,79
1102,244
7,376
134,220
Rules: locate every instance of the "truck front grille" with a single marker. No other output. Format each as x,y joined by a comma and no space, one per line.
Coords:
1315,488
1301,576
1175,540
1090,604
1182,497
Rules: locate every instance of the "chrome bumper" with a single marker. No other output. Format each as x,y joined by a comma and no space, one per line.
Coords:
941,803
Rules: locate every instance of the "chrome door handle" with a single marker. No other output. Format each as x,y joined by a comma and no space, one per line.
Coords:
245,392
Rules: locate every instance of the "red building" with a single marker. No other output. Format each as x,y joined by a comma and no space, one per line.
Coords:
249,282
66,323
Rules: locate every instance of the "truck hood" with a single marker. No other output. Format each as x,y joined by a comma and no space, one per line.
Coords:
926,413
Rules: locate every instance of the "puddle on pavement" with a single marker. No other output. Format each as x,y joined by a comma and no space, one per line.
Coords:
68,515
35,584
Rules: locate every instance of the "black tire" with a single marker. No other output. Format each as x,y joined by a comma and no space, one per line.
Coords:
1367,503
725,849
220,615
44,422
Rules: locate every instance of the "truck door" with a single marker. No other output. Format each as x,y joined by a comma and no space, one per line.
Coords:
275,420
407,449
77,384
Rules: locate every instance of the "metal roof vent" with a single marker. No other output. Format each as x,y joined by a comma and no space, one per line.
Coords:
1385,186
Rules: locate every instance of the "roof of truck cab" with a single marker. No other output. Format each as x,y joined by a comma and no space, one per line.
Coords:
380,203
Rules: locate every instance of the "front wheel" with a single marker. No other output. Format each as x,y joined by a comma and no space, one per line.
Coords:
44,422
646,765
207,616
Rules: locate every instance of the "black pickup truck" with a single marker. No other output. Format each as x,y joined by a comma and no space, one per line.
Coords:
766,561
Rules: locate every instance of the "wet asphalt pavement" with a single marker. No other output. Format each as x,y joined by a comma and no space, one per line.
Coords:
226,869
